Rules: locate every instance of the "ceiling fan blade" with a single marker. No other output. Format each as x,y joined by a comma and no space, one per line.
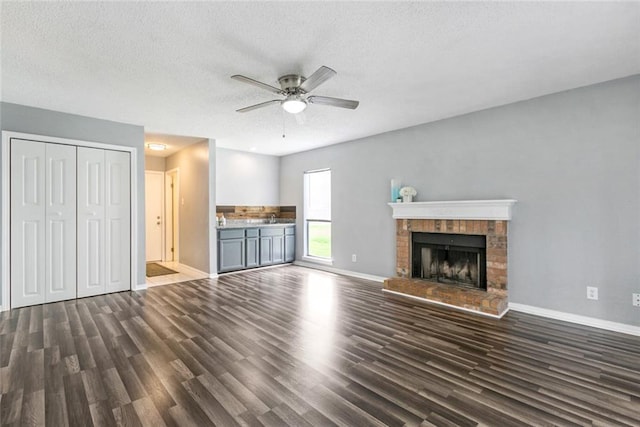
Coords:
255,107
333,102
321,75
253,82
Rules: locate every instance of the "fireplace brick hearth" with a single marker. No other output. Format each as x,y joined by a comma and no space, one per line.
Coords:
493,301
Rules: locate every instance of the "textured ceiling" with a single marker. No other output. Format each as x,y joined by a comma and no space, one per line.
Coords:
167,65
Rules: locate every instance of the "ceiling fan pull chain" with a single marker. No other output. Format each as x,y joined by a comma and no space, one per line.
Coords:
283,129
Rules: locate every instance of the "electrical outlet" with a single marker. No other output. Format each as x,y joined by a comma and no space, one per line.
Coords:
354,258
635,300
592,292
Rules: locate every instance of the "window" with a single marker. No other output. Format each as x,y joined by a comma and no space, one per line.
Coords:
317,213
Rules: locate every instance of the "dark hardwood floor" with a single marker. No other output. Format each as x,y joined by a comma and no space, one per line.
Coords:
293,346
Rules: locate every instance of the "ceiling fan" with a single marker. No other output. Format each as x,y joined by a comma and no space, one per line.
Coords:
295,89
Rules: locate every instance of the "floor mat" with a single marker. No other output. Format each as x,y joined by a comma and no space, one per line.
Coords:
154,269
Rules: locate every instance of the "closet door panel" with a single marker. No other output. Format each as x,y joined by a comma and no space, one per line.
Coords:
60,213
27,223
118,221
91,221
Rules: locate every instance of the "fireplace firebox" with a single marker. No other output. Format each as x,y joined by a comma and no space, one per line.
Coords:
453,259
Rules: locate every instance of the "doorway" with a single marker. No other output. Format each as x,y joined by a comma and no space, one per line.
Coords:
162,215
182,173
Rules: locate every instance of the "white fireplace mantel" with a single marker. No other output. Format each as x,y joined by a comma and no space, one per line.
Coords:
456,209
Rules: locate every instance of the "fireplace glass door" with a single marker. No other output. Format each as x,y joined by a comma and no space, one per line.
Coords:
450,258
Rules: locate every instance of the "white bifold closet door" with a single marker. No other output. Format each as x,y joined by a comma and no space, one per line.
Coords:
43,222
104,221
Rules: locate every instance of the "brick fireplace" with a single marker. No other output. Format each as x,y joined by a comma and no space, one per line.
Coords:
487,218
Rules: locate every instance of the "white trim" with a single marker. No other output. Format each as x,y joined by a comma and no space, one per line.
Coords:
191,270
444,304
213,276
5,208
167,212
139,287
316,260
175,218
456,209
350,273
249,270
5,280
133,158
575,318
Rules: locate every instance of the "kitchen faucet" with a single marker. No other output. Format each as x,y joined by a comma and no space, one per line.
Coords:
273,219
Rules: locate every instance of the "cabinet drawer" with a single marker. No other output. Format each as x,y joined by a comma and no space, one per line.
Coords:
265,232
290,230
236,233
252,232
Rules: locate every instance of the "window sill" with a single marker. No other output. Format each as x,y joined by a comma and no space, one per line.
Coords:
316,260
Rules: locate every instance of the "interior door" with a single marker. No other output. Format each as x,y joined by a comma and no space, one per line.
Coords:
117,221
60,218
91,221
104,221
27,223
154,190
43,222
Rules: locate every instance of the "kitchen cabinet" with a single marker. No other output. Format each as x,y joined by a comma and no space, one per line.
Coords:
271,245
266,250
247,247
252,248
231,244
289,244
278,249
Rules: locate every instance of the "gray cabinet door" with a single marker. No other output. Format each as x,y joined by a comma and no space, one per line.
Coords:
253,253
278,249
231,254
289,248
266,250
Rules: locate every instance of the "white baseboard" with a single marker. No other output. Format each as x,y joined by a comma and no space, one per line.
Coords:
213,276
444,304
4,307
340,271
193,271
575,318
139,287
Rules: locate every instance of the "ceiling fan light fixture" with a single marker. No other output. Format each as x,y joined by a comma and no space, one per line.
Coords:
294,104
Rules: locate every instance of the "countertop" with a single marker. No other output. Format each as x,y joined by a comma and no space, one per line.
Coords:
255,225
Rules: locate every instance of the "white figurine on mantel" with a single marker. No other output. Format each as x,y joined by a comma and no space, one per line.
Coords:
407,194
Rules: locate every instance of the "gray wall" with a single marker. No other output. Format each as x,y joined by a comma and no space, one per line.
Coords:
572,160
152,163
19,118
193,162
246,178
